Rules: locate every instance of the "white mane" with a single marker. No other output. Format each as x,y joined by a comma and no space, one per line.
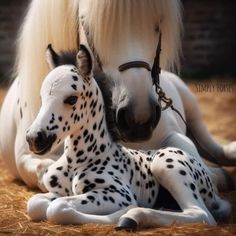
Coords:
111,23
47,21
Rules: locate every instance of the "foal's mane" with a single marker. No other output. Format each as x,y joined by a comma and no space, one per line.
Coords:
105,84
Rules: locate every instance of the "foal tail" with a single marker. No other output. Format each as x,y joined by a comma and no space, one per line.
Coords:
222,179
221,210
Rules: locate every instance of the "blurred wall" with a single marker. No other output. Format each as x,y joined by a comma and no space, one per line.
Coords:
11,13
209,43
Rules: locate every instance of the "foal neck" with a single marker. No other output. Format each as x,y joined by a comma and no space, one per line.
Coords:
92,140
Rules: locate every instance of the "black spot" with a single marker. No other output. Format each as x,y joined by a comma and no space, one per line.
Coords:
69,160
74,86
91,198
102,134
94,169
125,204
191,169
193,187
97,162
210,195
82,175
75,78
112,199
88,188
195,196
102,148
54,181
95,126
65,174
181,162
182,172
21,113
99,181
79,153
59,168
85,133
116,167
128,198
84,202
162,154
170,166
105,163
180,152
169,160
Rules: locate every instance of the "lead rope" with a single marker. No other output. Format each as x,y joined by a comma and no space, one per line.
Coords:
162,98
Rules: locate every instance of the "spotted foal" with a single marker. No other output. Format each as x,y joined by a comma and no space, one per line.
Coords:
97,180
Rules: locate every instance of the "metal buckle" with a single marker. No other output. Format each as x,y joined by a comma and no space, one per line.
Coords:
163,98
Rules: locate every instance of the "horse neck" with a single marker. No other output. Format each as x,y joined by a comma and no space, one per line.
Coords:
92,139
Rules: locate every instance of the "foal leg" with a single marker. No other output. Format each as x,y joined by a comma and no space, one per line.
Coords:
175,171
38,204
96,206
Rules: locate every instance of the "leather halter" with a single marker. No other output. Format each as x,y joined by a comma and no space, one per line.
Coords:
155,70
155,73
134,64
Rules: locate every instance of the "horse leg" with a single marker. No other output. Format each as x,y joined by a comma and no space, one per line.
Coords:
176,172
207,147
92,207
8,130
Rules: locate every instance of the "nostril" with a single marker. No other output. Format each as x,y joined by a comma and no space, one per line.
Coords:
29,139
41,137
123,118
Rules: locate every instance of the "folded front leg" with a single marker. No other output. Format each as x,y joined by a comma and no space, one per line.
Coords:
96,206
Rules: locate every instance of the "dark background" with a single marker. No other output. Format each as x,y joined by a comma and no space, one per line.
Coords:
209,42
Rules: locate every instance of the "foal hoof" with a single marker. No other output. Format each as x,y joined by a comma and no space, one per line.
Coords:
127,224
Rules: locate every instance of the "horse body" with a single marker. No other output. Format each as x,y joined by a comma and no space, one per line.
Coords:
95,177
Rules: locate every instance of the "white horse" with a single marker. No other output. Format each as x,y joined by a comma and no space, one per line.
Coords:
119,31
97,180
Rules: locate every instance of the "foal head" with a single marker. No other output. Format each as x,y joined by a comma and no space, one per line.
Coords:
64,95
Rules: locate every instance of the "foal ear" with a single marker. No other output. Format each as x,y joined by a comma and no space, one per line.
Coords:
84,61
52,57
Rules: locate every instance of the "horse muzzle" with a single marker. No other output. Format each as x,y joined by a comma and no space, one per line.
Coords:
132,130
40,142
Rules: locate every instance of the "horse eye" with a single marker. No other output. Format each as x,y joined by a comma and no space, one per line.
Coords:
71,100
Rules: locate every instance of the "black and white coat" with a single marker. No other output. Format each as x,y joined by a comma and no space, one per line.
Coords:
97,180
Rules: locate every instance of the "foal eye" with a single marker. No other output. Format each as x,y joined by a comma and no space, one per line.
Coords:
71,100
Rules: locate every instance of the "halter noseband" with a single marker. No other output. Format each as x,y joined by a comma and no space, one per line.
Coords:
134,64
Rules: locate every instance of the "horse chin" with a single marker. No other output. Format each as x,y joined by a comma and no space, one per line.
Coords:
136,136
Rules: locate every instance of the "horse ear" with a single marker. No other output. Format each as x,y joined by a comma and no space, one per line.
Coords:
84,61
52,57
